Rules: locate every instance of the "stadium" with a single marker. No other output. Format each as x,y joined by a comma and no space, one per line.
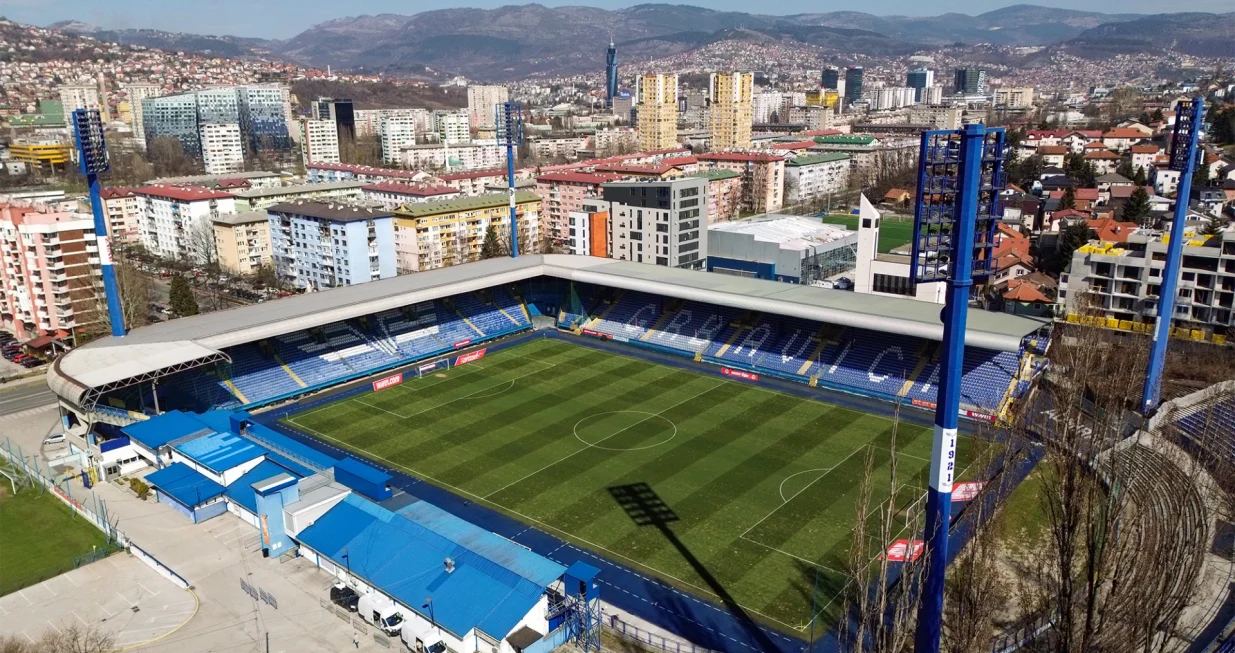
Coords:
692,435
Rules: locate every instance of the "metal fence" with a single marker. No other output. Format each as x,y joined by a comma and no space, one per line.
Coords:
650,640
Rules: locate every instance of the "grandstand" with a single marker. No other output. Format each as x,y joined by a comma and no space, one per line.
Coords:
258,355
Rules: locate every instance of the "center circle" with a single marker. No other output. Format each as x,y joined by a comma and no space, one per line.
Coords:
634,420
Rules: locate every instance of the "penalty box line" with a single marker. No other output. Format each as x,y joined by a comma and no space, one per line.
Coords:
548,367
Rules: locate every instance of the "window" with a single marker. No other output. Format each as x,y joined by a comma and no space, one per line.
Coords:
662,228
891,284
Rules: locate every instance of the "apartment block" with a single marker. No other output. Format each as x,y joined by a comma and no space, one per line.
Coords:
319,141
259,199
393,194
124,212
442,233
482,104
242,241
815,175
564,192
321,245
222,149
763,177
657,106
135,93
1124,280
724,194
1014,97
261,112
369,121
477,182
45,154
79,96
452,127
731,110
589,232
658,222
397,132
176,220
49,270
464,156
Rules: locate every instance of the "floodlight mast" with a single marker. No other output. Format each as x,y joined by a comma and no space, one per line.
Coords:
1183,159
510,131
955,217
92,160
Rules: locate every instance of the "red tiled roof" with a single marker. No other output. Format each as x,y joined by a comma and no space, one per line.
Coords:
1096,145
1020,290
577,177
182,193
1090,194
1124,132
1068,213
118,191
740,157
1112,230
403,188
474,174
1101,154
1087,133
1052,149
800,145
233,183
1144,149
676,161
635,168
1038,134
1126,190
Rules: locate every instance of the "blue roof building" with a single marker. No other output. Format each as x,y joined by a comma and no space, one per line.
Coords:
483,587
188,492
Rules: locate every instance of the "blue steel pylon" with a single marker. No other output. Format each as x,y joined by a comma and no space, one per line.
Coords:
1183,159
510,131
92,158
959,178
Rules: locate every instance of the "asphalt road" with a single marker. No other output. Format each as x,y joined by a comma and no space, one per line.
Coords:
23,396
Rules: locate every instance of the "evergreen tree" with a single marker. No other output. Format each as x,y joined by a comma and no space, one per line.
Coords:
1214,226
1089,175
1157,117
180,298
492,247
1200,178
1072,236
1139,178
1137,207
1125,169
1068,201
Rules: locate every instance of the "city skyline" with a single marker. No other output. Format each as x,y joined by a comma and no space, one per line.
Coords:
270,20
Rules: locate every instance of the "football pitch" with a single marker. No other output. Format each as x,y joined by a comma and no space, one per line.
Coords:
720,487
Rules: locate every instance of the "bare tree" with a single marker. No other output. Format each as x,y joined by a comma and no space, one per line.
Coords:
68,638
135,295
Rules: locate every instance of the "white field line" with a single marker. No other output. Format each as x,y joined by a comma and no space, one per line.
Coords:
548,527
593,444
467,396
795,494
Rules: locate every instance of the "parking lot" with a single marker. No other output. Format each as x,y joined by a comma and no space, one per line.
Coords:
119,594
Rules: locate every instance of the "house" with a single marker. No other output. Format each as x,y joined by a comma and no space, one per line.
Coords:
1209,199
1052,219
1058,182
1085,198
1143,156
1104,161
1111,230
1078,139
1010,265
1145,130
1122,138
897,197
1053,155
1031,295
1165,181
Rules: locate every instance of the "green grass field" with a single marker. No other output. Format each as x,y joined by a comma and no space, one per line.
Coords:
39,537
718,486
892,233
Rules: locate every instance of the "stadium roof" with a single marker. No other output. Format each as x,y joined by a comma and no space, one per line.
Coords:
162,348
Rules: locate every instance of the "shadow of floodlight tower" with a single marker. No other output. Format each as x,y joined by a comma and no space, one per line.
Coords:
960,176
646,508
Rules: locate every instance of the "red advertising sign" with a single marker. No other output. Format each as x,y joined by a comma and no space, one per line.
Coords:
463,343
922,403
589,332
741,374
470,357
900,551
427,367
966,491
390,381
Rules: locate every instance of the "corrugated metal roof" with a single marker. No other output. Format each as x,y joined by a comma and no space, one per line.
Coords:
458,204
405,559
812,159
241,491
220,452
184,484
172,425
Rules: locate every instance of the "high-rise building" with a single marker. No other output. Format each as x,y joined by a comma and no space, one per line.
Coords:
438,233
135,94
920,80
623,107
482,104
176,220
764,105
933,95
325,245
659,222
398,132
222,148
452,127
731,110
1017,97
611,75
970,81
260,112
79,96
831,78
853,84
341,111
242,241
657,106
319,141
124,214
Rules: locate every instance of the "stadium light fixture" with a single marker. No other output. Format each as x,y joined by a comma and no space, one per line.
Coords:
509,124
93,161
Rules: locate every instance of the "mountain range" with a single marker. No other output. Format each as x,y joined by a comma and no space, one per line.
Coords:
514,41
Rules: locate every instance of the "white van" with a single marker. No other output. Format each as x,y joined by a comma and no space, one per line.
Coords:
381,612
420,636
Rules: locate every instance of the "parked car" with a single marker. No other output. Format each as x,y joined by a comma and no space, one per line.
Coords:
21,357
54,438
31,363
344,597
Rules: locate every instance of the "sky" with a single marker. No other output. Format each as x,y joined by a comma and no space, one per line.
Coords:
281,19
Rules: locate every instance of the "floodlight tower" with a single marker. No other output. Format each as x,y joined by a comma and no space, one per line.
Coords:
1183,160
960,174
510,132
92,158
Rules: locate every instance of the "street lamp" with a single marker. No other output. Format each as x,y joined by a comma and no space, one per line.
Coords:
429,604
